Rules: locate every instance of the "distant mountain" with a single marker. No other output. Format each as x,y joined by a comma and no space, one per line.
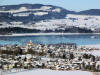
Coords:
90,12
33,12
28,18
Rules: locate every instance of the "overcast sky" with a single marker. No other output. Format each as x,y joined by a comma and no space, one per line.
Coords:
76,5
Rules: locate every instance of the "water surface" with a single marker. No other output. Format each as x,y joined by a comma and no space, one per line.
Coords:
51,39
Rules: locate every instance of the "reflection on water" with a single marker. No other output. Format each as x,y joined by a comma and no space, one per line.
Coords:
51,39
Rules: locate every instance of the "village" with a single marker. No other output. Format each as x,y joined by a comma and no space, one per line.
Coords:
62,56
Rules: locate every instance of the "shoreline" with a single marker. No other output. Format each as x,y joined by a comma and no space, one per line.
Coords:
36,34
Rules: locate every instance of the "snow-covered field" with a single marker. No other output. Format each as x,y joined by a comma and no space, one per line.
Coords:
94,52
93,46
71,20
81,21
52,72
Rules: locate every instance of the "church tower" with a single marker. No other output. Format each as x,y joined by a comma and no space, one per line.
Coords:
30,45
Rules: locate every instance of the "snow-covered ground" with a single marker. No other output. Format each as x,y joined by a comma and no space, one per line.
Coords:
52,72
81,21
93,46
94,52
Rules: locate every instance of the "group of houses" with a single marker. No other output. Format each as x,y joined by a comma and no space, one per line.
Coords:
63,56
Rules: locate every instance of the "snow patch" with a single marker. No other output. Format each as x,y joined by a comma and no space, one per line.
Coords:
15,11
40,13
45,7
96,53
23,9
52,72
21,14
57,10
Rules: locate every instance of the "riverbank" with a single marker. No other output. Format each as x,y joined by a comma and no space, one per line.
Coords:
30,34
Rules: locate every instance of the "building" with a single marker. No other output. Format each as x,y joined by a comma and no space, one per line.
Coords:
30,45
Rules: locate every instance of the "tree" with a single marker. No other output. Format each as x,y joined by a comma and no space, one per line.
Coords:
71,56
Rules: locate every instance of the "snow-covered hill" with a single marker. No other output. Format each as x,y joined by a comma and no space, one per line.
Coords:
71,20
81,21
47,18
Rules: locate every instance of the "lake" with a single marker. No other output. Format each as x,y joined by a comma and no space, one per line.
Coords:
80,39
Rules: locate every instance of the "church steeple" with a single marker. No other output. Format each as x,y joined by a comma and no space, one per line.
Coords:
30,44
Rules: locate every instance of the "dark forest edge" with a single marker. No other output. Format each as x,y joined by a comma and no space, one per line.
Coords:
4,31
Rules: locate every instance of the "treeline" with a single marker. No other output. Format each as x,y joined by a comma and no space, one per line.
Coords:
25,30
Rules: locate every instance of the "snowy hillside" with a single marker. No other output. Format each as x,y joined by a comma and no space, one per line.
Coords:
81,21
47,18
86,21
